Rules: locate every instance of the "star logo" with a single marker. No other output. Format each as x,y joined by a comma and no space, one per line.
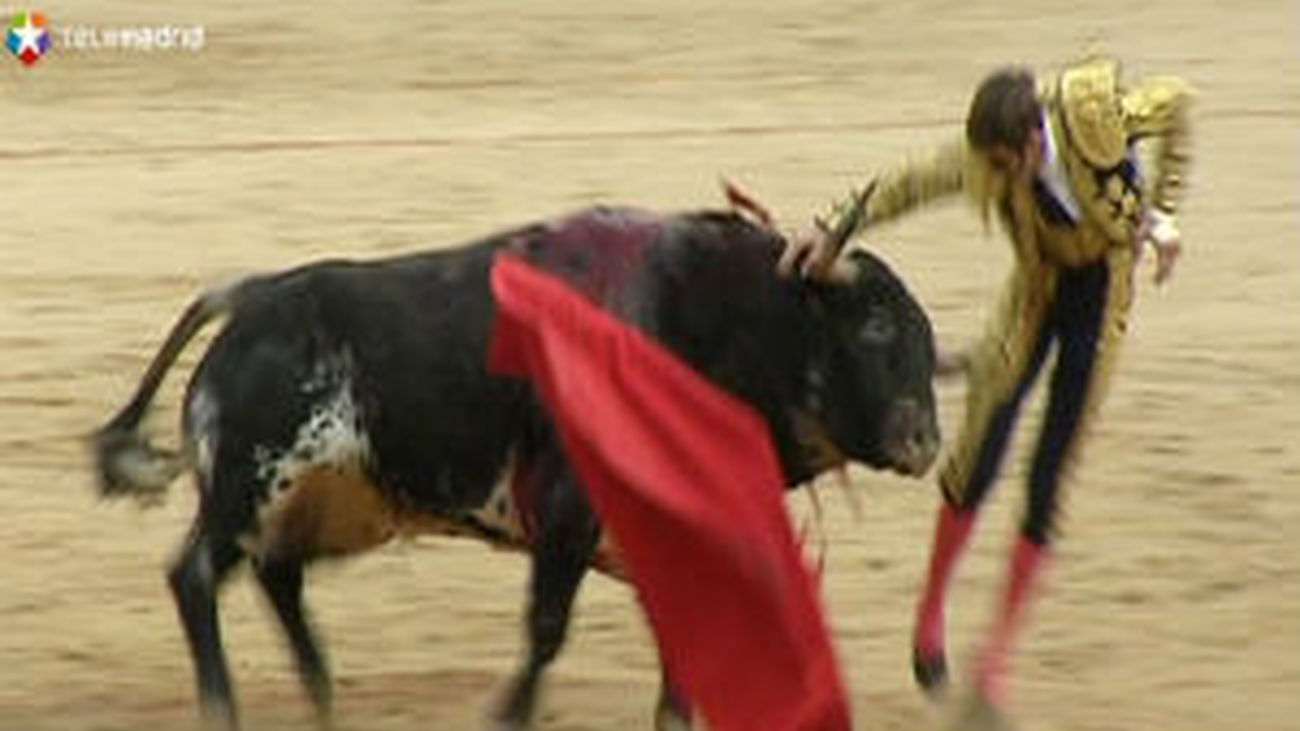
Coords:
28,38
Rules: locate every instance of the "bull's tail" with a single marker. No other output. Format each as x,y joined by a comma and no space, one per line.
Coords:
126,462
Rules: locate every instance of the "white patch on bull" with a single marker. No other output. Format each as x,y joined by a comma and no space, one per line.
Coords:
501,518
319,499
499,514
331,436
204,433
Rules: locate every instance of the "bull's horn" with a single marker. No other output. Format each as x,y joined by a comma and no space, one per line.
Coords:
852,219
745,203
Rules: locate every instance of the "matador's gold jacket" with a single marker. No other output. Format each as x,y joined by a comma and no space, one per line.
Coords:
1095,122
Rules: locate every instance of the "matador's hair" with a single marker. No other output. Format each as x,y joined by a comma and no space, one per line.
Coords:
1005,110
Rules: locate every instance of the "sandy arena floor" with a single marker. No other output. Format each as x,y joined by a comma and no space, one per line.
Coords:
306,129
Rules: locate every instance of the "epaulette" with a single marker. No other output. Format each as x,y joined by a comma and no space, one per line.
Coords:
1091,109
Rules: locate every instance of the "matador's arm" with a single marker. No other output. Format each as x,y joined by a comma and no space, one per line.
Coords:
908,185
1158,108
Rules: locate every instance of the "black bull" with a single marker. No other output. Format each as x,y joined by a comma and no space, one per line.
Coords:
347,402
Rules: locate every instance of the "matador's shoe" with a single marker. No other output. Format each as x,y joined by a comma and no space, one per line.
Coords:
930,670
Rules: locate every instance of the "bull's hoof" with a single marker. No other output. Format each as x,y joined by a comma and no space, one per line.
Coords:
930,669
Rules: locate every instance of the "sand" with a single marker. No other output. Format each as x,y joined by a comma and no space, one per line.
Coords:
311,129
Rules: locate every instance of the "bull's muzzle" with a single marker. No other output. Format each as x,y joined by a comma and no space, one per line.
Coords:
912,438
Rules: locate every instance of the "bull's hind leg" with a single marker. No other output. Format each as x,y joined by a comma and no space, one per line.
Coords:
204,562
567,538
281,579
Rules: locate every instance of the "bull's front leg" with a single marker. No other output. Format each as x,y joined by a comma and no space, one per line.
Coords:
567,536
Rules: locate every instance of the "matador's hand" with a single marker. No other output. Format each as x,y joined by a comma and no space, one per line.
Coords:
1160,230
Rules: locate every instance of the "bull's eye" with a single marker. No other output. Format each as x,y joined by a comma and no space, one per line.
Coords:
879,328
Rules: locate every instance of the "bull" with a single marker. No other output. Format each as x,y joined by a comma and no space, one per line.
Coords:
347,402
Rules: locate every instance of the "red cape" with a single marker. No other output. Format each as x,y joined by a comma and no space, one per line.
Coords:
685,478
